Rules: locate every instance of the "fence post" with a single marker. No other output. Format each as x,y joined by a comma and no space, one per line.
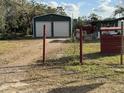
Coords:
44,43
81,44
122,46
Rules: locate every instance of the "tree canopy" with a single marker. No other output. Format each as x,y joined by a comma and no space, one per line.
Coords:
16,15
119,11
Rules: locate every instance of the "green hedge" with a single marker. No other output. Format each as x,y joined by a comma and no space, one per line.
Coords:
6,36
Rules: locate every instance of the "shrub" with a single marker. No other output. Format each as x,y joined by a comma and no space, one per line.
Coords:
3,36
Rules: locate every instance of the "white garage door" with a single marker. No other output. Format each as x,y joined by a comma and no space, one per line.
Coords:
61,29
39,29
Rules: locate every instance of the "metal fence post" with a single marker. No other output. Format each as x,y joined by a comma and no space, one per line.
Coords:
121,56
81,44
44,43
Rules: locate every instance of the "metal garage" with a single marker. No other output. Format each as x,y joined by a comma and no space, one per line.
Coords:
57,25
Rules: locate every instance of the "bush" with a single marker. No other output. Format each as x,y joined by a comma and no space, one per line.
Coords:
10,36
29,31
3,36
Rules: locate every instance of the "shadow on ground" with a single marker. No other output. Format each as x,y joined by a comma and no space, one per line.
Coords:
58,62
92,41
97,55
77,89
60,41
49,64
68,60
73,41
73,60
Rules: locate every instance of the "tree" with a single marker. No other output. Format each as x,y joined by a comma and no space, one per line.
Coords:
94,17
60,11
16,15
119,11
10,15
50,10
2,17
80,21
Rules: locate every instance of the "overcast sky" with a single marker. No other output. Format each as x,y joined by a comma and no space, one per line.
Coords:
77,8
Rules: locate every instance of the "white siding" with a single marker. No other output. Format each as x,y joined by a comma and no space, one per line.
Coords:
61,29
119,23
39,29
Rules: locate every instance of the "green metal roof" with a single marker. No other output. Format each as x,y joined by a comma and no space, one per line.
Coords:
52,17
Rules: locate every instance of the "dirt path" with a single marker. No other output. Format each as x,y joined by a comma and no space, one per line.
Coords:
27,53
18,67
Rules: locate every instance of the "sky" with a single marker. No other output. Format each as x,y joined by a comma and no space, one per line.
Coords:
76,8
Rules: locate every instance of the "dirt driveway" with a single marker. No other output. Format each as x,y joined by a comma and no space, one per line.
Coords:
28,50
19,70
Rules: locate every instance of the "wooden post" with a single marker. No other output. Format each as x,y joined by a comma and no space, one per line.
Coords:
121,56
44,43
81,44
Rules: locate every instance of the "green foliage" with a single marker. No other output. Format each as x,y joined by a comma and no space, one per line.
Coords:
79,21
94,17
119,11
60,11
2,23
95,64
2,17
16,16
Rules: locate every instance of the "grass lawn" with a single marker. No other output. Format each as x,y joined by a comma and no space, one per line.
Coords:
12,45
97,69
95,65
61,72
6,46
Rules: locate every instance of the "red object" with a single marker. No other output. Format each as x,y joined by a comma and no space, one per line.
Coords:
122,44
88,28
44,43
111,44
81,46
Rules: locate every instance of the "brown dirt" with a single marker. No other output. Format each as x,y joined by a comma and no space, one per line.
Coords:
16,64
21,72
27,51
